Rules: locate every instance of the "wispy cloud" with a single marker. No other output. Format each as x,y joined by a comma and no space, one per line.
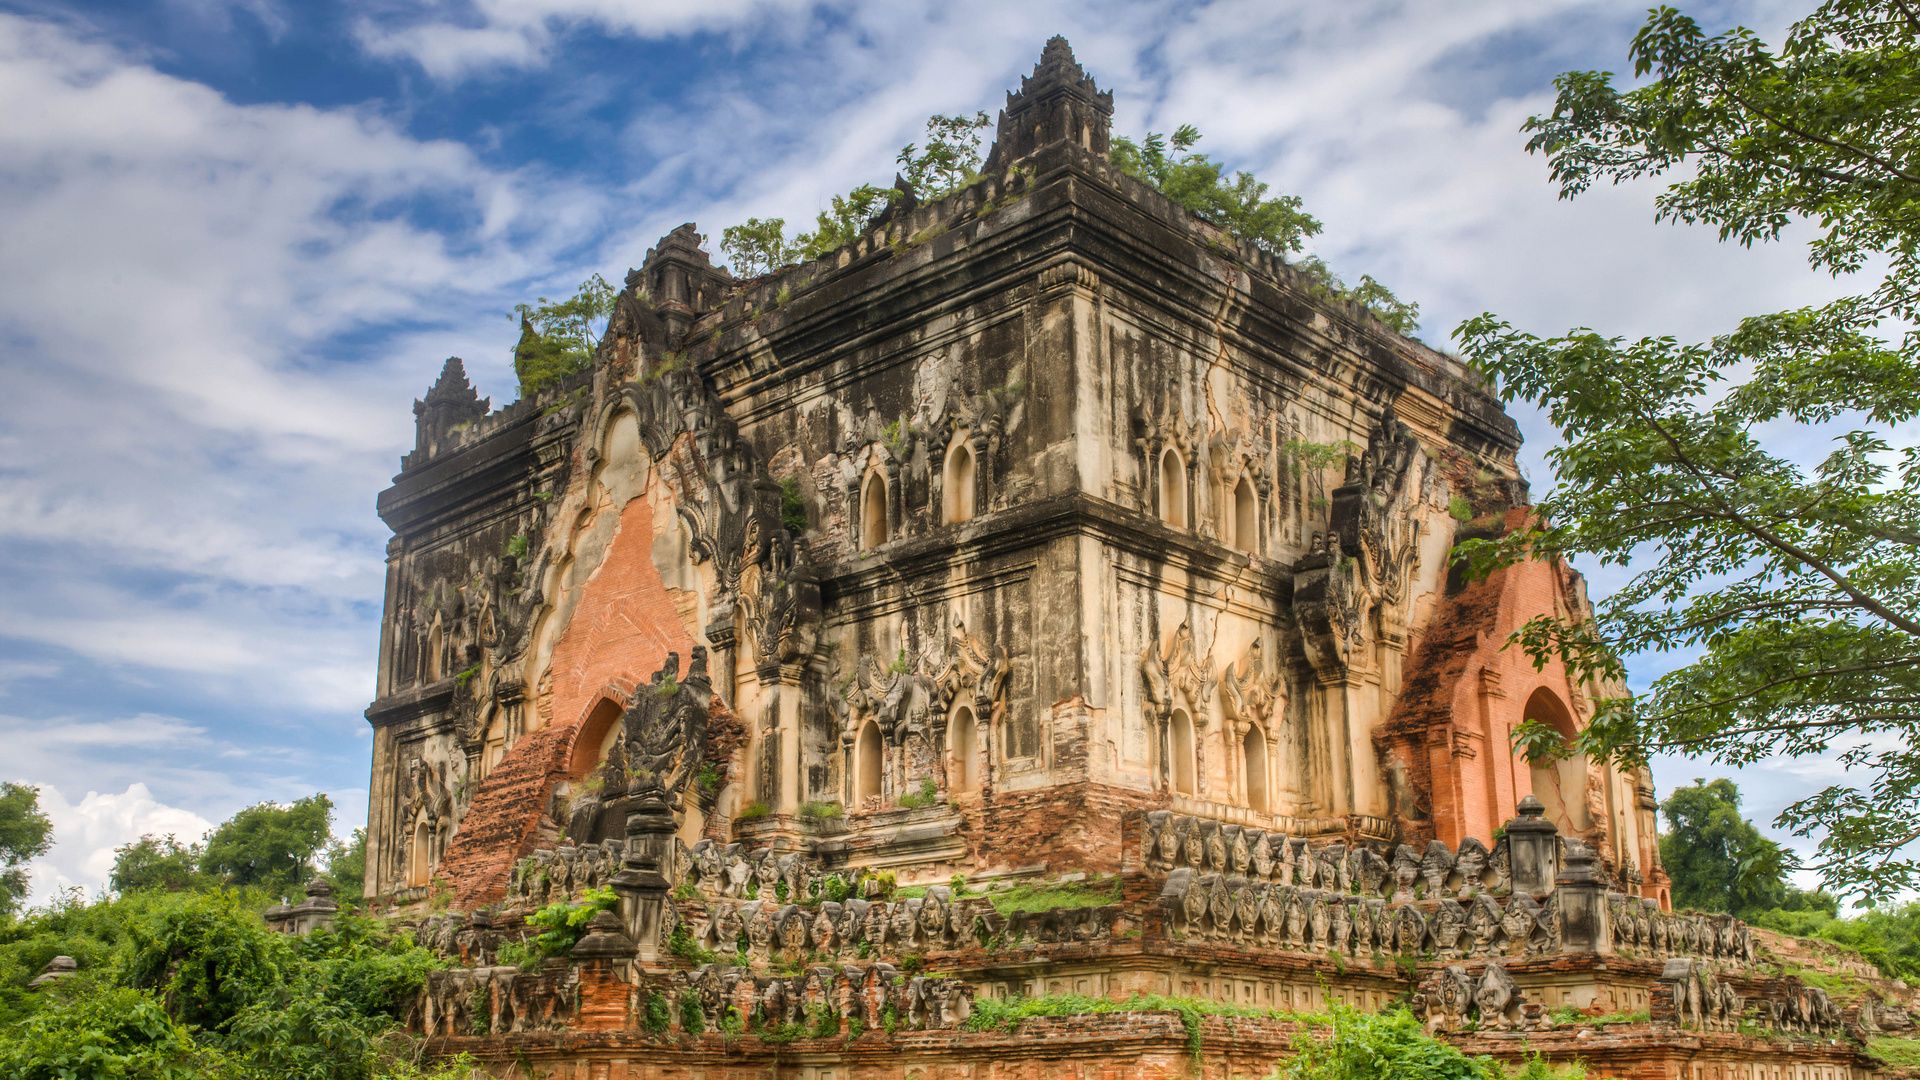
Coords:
215,312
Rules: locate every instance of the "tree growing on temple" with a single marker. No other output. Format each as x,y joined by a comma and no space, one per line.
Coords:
1241,206
559,338
1792,584
947,161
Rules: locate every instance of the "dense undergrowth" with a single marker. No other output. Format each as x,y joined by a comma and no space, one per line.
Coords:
192,984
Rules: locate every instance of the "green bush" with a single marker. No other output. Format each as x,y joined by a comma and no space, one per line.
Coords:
928,794
194,984
1094,892
1388,1045
566,924
104,1031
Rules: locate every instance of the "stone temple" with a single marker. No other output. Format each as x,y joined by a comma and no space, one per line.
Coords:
1047,537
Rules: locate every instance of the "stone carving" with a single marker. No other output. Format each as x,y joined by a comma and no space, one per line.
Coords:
1249,691
861,929
496,1000
1452,998
663,732
562,873
853,992
1174,668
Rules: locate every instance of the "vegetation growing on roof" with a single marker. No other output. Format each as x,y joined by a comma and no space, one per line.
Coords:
558,338
1277,224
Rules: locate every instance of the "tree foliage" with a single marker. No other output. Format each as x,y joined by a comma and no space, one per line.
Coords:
270,846
1718,860
559,338
1794,584
25,833
1241,206
194,984
1199,183
155,862
1388,1045
347,867
948,161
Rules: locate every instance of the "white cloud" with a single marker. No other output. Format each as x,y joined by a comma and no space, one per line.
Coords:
187,465
174,268
87,832
526,33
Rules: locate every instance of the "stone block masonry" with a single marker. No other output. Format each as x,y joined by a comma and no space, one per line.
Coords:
857,623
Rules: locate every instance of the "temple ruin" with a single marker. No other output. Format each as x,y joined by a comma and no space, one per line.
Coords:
1046,541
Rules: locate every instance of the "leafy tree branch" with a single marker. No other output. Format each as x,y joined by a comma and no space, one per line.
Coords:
1792,583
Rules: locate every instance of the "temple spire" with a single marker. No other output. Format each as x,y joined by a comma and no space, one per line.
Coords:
452,401
1058,103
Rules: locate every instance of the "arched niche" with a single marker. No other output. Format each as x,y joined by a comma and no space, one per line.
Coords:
963,735
436,650
1254,747
1173,489
873,511
420,864
1561,786
493,745
867,758
595,739
1246,517
1182,739
957,484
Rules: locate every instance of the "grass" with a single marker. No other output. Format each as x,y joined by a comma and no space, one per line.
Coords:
1567,1014
1834,983
991,1014
1895,1051
926,796
1094,892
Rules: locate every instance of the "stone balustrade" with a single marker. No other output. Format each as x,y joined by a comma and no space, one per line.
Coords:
1454,999
769,931
870,994
496,1000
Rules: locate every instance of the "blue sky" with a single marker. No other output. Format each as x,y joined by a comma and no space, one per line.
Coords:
237,239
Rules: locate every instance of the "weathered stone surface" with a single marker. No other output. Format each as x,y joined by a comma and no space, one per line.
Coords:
1043,533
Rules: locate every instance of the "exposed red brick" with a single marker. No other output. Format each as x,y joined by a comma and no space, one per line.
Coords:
619,635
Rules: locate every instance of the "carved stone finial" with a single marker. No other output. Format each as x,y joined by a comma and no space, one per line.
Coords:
1531,807
452,387
451,402
1059,102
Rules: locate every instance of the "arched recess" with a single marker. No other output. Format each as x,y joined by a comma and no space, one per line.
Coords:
1254,746
957,483
867,758
436,649
493,745
1182,740
873,511
1246,517
596,737
420,864
1561,786
1173,489
963,735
